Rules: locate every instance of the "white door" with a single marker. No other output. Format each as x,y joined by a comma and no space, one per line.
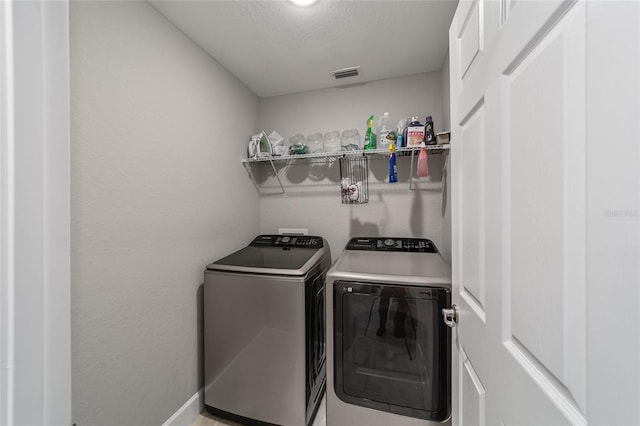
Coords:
545,112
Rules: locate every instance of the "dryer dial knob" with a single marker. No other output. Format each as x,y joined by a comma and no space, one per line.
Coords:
389,242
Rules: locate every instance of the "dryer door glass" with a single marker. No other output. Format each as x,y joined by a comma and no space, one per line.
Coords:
392,349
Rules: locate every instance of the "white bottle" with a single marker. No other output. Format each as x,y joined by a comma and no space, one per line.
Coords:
386,132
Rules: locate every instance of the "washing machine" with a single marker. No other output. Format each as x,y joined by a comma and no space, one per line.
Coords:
264,331
388,348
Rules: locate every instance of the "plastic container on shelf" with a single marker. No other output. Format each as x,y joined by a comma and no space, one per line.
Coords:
414,133
298,138
386,132
400,142
350,140
429,135
315,142
297,144
332,141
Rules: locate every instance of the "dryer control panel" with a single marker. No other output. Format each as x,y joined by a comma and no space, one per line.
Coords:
297,241
414,245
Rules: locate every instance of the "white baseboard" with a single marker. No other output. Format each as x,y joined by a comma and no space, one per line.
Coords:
188,412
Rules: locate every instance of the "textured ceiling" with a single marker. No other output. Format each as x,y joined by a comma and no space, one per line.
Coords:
276,48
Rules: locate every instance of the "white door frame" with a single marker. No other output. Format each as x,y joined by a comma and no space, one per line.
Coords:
35,332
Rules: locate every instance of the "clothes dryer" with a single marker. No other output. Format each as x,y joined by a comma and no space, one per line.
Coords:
389,350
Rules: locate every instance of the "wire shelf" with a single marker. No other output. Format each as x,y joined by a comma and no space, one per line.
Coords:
333,156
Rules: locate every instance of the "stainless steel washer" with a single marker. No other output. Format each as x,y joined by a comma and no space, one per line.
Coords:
389,351
264,343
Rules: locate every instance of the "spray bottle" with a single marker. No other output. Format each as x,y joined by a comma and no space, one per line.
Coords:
423,162
370,137
393,174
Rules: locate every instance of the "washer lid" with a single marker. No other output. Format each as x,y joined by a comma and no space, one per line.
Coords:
270,259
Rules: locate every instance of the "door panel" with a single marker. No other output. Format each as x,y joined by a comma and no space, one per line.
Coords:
472,206
470,37
471,394
546,237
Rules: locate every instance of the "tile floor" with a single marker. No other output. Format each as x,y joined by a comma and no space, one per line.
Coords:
206,419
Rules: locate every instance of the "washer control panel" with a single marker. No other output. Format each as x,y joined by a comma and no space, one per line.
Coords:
298,241
415,245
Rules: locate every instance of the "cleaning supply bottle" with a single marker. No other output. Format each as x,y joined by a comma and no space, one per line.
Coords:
370,137
386,133
401,142
429,135
400,133
414,133
423,162
393,174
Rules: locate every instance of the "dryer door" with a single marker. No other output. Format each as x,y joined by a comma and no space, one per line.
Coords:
392,349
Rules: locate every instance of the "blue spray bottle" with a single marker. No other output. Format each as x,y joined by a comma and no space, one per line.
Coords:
393,175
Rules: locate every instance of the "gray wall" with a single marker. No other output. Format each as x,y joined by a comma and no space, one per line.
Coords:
313,198
157,192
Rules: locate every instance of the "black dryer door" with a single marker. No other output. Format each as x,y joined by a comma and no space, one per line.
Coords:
392,348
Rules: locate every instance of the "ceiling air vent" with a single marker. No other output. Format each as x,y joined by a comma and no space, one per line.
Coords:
346,72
